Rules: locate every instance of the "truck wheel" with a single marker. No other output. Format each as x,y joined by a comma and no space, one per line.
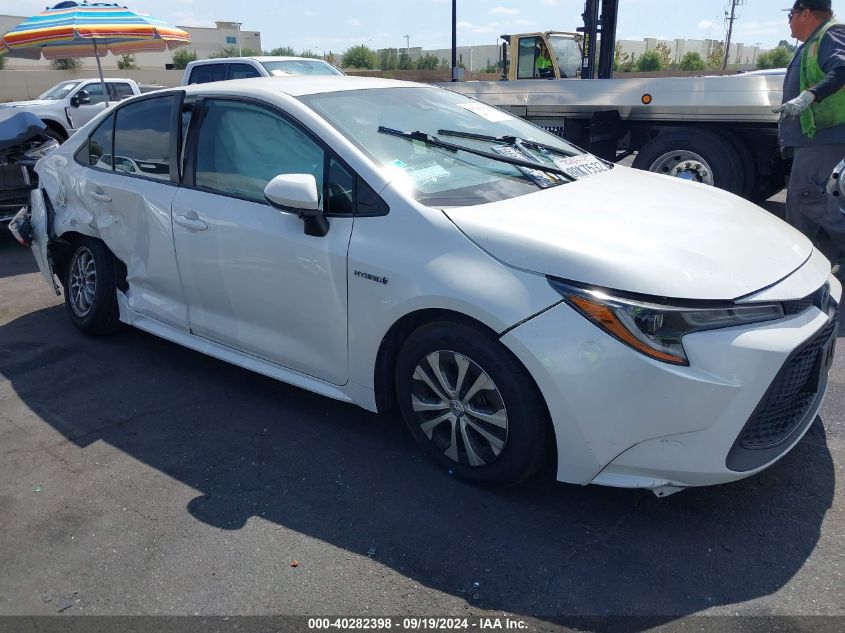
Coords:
91,287
698,155
471,406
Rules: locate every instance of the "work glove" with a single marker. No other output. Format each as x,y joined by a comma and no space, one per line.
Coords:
796,106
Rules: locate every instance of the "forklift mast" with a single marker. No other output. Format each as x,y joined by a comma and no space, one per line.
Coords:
599,30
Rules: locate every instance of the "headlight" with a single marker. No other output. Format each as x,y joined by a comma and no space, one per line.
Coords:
657,330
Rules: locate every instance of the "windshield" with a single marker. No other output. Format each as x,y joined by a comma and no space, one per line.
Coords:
435,176
300,67
60,91
568,53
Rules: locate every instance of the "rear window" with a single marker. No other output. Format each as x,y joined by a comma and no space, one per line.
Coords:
242,71
121,90
300,67
206,73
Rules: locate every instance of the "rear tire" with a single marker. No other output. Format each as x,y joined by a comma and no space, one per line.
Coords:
471,405
90,283
699,155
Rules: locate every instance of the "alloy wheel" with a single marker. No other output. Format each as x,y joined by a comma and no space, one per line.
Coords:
459,408
83,281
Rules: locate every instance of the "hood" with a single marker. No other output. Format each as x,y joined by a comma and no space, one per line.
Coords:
27,104
639,232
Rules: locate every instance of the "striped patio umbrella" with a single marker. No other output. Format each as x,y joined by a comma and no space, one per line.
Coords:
70,29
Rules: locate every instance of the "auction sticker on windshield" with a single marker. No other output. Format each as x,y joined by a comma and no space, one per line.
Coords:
581,166
488,112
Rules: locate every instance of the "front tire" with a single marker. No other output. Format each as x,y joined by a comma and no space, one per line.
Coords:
471,405
91,287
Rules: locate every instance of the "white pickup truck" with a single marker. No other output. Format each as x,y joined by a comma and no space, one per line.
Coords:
69,105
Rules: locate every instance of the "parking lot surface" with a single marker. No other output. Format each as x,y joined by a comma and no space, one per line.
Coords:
138,477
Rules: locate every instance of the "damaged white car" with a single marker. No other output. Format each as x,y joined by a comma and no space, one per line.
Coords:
392,244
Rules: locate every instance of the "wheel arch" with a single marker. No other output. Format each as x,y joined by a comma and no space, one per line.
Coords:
57,127
385,366
62,248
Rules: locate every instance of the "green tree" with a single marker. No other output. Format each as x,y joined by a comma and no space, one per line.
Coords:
428,62
789,47
127,62
183,57
231,51
777,58
360,56
665,54
405,61
692,61
716,56
2,62
649,62
66,63
310,54
444,64
281,51
388,60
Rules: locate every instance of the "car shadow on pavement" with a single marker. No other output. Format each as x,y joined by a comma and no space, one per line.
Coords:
255,447
14,258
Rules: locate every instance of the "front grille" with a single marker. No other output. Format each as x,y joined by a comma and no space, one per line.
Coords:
790,395
820,299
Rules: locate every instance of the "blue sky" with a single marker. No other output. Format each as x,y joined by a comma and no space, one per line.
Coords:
335,25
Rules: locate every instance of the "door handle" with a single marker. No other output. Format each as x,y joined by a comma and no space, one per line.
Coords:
192,224
99,195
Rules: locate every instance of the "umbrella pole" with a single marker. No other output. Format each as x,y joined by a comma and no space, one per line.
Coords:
100,68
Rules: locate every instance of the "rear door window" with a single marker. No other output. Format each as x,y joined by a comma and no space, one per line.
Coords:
120,91
208,72
142,138
242,71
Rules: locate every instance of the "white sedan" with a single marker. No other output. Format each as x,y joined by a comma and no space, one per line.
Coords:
393,244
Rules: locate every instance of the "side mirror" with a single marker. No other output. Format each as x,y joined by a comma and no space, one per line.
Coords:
297,193
83,97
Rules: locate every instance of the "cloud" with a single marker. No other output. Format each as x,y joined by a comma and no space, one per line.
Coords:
504,11
353,22
705,25
550,3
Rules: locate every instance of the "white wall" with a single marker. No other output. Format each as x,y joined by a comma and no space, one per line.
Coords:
18,85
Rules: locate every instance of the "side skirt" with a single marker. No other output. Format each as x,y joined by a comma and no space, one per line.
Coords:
227,354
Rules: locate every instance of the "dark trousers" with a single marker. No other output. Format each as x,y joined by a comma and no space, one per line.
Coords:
808,206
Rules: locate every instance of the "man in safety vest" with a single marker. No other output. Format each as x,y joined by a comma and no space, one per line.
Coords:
543,62
812,124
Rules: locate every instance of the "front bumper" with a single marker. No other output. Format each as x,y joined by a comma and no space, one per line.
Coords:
622,419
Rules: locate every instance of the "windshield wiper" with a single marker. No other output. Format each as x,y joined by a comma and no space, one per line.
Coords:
516,141
433,141
508,140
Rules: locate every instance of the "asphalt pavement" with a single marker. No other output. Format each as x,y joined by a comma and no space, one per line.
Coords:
139,477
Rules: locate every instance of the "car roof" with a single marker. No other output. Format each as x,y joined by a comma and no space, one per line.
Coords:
296,85
257,58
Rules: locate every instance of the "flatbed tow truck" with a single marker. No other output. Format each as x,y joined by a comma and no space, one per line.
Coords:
716,130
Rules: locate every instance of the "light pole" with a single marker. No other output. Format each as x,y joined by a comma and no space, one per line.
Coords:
238,24
407,45
454,40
